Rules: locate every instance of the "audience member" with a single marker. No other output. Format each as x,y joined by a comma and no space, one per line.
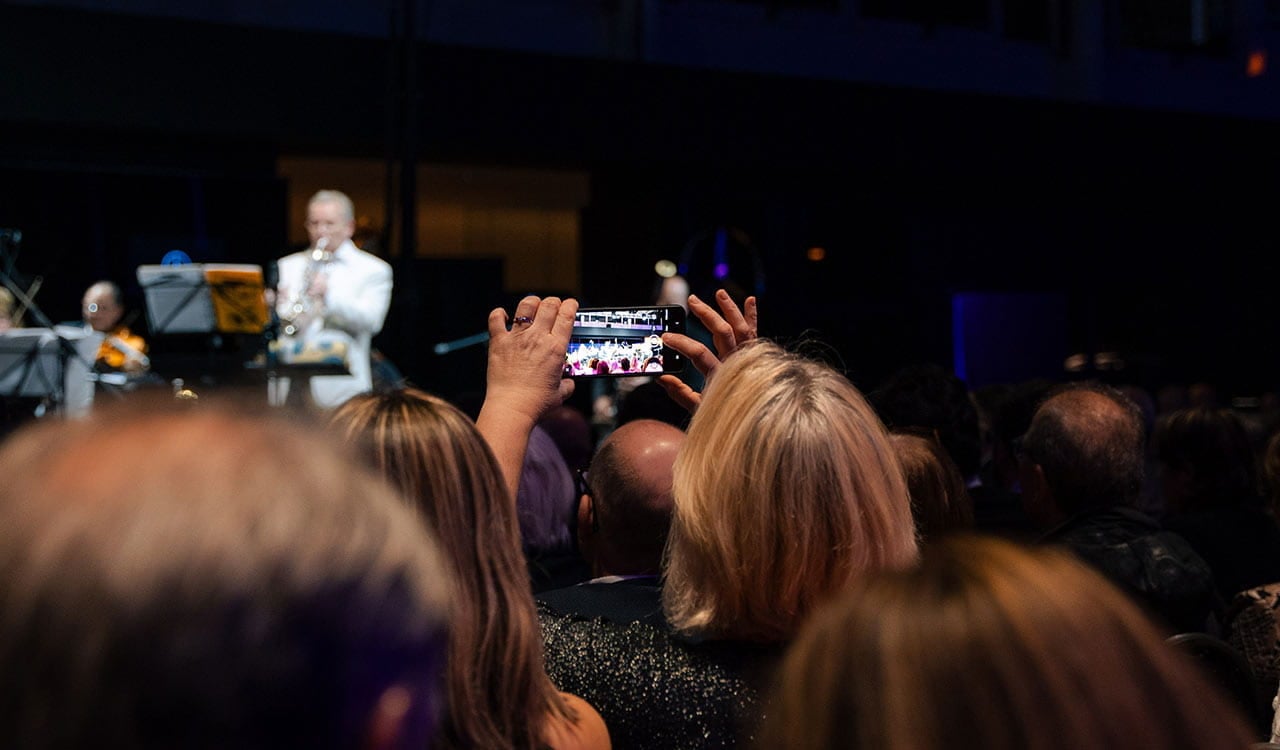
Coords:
785,490
211,581
1270,481
546,508
571,431
1001,512
1082,470
988,644
929,397
624,516
1210,484
650,401
1150,499
499,694
940,503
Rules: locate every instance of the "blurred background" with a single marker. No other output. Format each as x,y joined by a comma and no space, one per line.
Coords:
1005,187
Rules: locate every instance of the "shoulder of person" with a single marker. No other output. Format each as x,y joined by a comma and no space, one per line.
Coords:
368,258
586,732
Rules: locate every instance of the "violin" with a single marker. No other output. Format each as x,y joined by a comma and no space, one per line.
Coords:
123,351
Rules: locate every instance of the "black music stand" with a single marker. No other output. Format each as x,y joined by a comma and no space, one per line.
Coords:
204,298
206,319
51,364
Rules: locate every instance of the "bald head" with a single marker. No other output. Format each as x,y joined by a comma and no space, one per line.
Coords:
103,305
630,482
1088,441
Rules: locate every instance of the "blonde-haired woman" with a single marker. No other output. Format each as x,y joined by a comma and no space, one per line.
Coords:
988,644
785,490
498,692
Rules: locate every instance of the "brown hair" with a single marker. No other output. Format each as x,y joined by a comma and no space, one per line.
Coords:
499,694
940,502
988,644
202,579
1212,448
785,489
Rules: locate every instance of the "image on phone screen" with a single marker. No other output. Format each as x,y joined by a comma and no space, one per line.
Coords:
622,342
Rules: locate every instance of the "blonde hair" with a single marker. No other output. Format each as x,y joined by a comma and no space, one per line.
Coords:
988,644
785,489
499,693
200,577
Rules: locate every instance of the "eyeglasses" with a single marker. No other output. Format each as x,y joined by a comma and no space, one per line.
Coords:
581,484
584,488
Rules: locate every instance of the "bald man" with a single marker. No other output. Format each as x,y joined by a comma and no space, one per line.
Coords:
1081,468
624,515
122,350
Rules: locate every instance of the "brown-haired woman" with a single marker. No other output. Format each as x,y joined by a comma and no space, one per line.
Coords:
988,644
499,693
940,503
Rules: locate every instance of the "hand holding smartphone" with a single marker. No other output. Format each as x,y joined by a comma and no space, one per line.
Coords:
624,342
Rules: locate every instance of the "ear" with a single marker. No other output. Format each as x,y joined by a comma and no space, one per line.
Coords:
1037,497
586,521
387,720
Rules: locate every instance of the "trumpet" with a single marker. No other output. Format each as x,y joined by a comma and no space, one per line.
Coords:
302,304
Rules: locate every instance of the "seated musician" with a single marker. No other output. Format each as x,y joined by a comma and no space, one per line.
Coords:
121,349
8,308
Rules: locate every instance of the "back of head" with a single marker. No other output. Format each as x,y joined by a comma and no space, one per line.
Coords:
1211,453
571,432
546,500
201,579
785,488
498,692
1088,440
940,502
992,645
650,401
630,482
1271,473
930,397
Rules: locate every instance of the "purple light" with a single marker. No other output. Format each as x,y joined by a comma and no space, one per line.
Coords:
722,270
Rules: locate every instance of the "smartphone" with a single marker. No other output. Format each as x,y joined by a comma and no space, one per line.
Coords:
619,342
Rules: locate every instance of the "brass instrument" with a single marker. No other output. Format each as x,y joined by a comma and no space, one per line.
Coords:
302,304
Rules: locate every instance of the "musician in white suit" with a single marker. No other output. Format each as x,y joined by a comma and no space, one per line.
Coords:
332,292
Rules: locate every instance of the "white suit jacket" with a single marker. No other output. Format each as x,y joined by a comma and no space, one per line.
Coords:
356,300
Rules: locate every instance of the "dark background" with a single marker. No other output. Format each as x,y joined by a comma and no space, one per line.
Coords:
1149,232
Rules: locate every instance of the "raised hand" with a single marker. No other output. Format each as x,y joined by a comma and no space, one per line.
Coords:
524,379
730,328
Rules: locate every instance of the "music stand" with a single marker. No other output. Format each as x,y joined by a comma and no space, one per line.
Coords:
204,298
50,363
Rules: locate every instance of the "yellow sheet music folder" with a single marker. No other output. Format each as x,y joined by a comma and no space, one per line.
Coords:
239,305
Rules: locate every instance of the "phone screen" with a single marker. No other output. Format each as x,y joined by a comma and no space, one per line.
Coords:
622,342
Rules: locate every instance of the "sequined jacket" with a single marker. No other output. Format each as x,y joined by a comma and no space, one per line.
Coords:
656,689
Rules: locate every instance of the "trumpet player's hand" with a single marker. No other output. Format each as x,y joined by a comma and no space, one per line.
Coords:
319,285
